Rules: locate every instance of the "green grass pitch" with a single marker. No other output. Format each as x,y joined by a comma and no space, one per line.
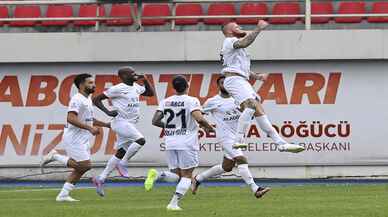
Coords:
292,201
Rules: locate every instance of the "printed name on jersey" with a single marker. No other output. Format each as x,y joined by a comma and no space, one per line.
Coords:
175,132
175,103
232,118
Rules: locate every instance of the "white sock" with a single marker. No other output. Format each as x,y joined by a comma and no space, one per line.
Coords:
267,127
243,123
214,171
67,187
110,166
61,158
181,189
247,176
167,176
132,150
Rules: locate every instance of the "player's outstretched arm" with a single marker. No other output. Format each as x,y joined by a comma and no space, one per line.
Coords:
149,90
99,123
157,119
197,115
72,118
97,101
259,76
249,38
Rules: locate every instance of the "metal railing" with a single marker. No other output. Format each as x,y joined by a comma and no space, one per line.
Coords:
137,16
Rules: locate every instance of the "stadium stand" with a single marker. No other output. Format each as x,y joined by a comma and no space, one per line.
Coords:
201,15
25,11
58,11
379,8
188,10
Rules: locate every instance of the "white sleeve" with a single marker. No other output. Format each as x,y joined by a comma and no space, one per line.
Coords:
195,105
140,89
228,43
209,106
74,106
112,92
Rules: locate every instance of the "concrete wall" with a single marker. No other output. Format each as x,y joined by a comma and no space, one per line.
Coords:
189,46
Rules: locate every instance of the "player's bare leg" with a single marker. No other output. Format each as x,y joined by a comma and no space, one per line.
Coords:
110,166
245,173
254,108
226,166
80,168
122,166
181,189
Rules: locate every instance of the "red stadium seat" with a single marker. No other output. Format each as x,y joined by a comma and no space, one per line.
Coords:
321,8
58,11
220,9
188,10
120,10
89,10
3,14
25,11
252,9
350,8
379,8
153,10
285,8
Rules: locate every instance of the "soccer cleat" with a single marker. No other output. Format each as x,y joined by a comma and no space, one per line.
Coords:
239,145
122,169
173,208
151,178
261,191
194,185
99,186
47,159
290,148
66,199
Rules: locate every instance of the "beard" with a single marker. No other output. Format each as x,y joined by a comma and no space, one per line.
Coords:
239,34
223,91
90,90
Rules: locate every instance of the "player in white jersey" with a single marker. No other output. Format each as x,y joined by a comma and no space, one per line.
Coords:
179,116
226,114
77,134
236,68
125,101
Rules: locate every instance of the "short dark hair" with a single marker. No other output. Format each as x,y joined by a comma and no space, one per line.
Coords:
219,78
125,69
180,83
81,78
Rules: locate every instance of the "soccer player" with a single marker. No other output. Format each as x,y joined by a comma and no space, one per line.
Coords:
178,115
226,114
236,68
76,137
126,104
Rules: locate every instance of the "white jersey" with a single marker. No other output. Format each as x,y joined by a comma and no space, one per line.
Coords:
83,106
235,60
181,130
125,99
225,114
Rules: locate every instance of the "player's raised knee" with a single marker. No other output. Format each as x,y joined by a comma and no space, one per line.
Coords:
141,141
241,160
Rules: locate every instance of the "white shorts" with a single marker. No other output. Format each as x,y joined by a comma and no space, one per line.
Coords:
77,150
182,159
126,133
240,89
229,151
